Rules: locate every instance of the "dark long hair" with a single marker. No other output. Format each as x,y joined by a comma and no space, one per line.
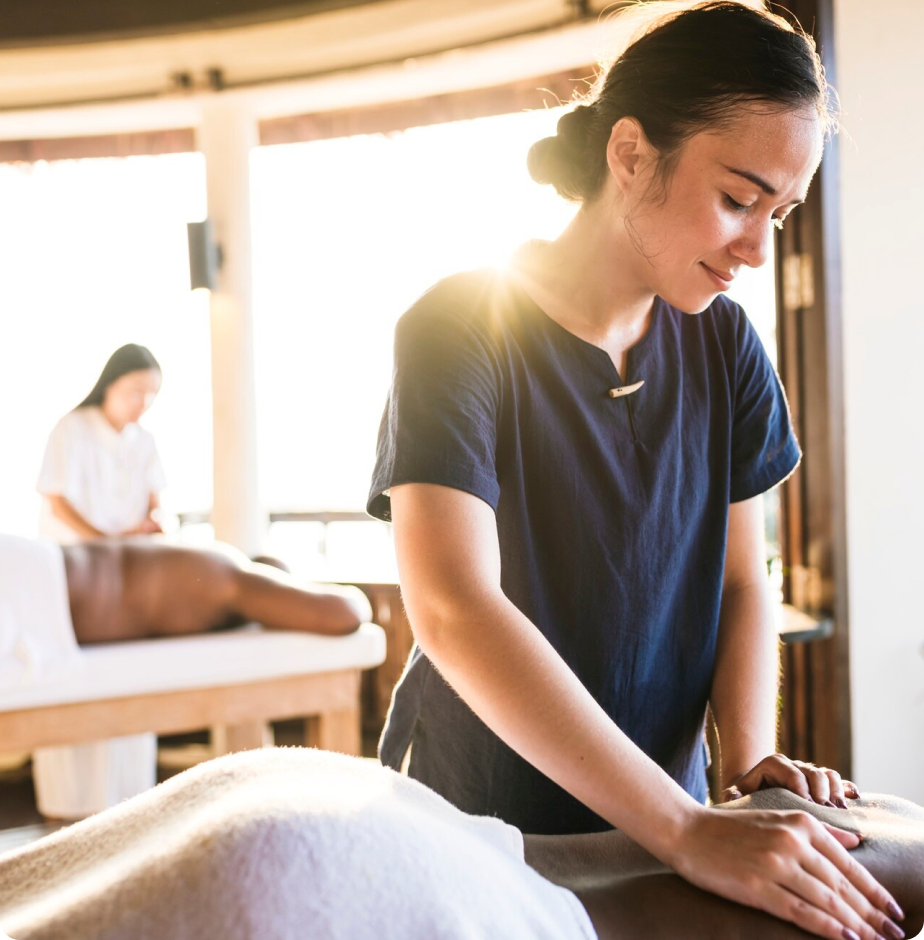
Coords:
128,358
689,71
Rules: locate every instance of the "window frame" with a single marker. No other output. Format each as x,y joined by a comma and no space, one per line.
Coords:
815,721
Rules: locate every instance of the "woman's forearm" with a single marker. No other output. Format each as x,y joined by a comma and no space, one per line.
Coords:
746,683
63,510
516,682
509,674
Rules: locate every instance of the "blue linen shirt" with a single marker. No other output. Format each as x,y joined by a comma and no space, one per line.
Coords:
611,516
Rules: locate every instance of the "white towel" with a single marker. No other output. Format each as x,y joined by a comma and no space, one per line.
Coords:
38,649
37,642
284,844
76,780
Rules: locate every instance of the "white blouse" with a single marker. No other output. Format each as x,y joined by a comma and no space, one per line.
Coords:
108,476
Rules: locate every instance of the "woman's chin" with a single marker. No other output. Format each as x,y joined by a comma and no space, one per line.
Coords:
692,302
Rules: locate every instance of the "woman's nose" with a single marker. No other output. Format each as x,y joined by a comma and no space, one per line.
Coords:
753,248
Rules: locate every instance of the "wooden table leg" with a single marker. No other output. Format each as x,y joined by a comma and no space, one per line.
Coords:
335,731
243,737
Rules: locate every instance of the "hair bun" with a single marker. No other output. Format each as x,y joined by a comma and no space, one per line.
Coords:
687,69
575,126
560,160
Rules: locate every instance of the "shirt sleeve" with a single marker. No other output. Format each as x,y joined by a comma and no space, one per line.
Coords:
764,450
60,465
440,420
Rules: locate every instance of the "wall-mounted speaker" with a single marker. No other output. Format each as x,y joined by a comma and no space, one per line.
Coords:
204,256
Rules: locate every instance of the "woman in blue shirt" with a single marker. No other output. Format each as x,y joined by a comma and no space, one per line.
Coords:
573,454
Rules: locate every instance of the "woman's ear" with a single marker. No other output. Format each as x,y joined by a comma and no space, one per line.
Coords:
628,153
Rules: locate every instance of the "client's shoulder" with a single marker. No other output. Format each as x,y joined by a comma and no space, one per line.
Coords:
786,801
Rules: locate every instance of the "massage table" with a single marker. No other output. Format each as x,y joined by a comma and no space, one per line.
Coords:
235,680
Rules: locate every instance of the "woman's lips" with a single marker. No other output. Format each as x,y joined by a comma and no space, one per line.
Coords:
721,278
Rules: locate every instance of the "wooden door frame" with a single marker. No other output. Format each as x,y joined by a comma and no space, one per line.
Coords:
816,682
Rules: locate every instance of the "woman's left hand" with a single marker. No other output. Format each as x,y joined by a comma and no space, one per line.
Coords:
816,784
147,526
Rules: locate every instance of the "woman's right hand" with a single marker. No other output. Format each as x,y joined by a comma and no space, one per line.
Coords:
789,865
148,526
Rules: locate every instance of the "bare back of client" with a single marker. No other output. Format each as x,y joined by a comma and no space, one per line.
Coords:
630,894
122,590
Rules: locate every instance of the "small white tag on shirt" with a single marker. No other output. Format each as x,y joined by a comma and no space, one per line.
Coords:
625,390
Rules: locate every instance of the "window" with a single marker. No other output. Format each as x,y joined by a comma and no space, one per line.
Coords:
347,233
94,256
755,290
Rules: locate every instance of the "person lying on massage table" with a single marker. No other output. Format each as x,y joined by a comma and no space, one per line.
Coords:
293,843
53,598
134,588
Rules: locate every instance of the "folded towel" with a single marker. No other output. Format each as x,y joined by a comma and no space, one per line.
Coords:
37,642
283,843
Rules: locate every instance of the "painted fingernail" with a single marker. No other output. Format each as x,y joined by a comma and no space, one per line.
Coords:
829,803
841,803
893,931
850,935
895,911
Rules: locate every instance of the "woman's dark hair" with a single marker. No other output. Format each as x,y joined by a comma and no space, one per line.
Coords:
689,71
128,358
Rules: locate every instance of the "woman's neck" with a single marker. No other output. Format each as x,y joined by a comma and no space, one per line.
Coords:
112,420
587,282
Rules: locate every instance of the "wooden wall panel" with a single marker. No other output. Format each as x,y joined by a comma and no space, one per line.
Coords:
147,143
527,94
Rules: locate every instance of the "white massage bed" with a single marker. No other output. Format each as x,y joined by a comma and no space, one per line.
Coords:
237,679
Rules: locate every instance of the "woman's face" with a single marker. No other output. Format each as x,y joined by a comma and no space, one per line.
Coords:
726,194
130,396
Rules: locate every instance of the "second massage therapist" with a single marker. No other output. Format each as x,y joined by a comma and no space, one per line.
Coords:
102,475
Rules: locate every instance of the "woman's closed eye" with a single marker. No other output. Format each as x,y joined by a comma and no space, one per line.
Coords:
737,206
776,221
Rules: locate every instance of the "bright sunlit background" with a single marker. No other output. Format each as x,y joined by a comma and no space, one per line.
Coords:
94,256
346,234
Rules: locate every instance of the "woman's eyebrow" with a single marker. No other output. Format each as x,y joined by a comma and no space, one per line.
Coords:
760,182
